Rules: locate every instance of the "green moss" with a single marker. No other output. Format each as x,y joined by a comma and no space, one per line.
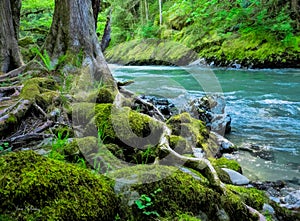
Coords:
251,196
100,157
101,95
12,119
180,145
180,194
150,51
127,127
226,163
47,189
37,86
194,131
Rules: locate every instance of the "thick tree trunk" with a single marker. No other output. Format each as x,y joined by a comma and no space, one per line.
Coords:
72,33
10,56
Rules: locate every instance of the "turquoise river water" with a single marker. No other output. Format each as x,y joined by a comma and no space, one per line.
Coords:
264,106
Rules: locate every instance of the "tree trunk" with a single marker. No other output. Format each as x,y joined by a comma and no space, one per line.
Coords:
160,12
96,9
73,33
106,35
10,56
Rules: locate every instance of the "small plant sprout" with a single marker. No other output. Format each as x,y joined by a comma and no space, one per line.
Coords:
145,202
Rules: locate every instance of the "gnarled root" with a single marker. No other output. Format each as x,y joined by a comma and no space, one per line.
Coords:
198,164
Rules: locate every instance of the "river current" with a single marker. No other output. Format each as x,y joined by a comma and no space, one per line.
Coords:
264,106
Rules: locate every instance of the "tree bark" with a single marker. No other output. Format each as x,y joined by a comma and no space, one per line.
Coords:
106,35
96,9
72,33
10,56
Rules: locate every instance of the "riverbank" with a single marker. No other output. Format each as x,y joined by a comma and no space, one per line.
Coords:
232,55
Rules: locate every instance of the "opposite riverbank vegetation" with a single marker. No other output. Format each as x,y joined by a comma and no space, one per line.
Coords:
76,145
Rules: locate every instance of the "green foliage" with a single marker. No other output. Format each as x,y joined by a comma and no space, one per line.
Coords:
36,19
4,148
58,145
45,58
47,62
145,202
251,196
248,31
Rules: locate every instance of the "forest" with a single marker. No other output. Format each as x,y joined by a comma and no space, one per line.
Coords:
75,144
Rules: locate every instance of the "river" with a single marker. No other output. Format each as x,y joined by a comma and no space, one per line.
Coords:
264,106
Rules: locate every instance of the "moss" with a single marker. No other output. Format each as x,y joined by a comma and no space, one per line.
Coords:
12,119
150,51
23,42
226,163
127,127
101,95
251,196
181,217
180,145
47,189
36,86
194,131
181,193
48,99
98,156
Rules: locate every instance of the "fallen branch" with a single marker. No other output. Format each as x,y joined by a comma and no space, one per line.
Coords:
44,127
30,137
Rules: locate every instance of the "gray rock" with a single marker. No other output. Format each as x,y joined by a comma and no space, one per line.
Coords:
268,208
225,145
292,200
236,178
211,110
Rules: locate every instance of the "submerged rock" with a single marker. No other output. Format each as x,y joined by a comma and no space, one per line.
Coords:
258,151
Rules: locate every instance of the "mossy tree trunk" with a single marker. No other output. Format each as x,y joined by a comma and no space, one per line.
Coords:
72,33
10,56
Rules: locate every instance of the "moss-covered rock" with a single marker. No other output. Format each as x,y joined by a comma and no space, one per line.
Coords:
98,156
178,193
42,90
226,163
126,127
251,196
137,134
195,133
180,145
33,187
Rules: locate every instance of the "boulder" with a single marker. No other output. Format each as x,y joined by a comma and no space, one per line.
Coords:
211,110
236,178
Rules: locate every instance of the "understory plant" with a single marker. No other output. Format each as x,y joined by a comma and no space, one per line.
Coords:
145,202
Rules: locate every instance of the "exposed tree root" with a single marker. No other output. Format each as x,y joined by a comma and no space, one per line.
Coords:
14,73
